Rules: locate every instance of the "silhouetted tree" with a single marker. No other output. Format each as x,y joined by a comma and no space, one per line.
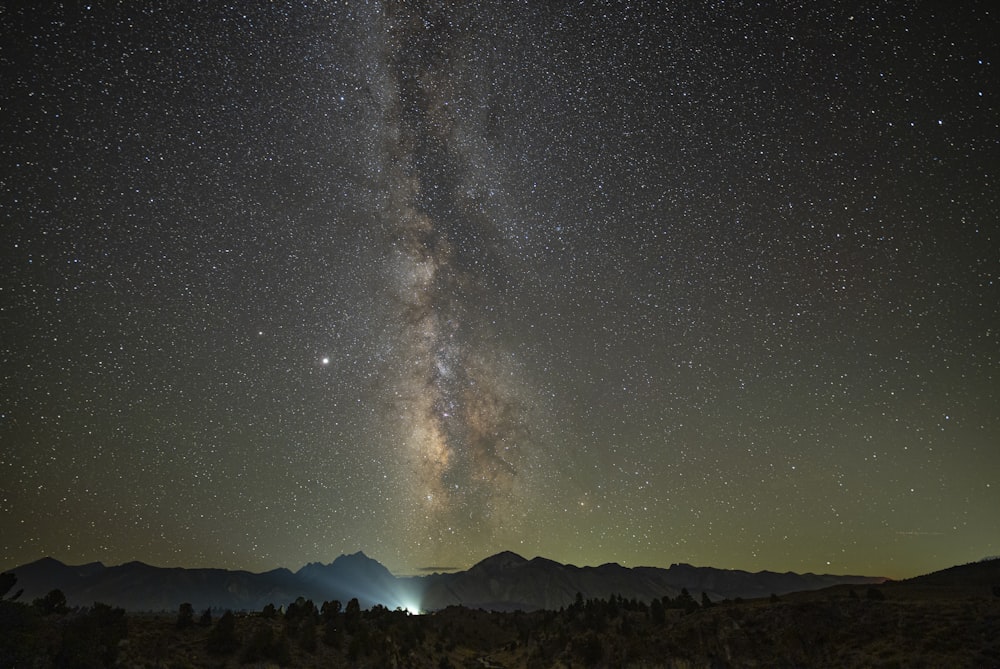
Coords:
685,601
656,612
705,601
185,616
300,622
222,639
330,610
54,602
352,616
301,609
268,611
206,618
292,610
612,607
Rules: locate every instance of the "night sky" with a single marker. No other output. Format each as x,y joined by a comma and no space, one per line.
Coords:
644,282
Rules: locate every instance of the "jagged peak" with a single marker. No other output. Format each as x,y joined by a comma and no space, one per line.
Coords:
359,561
354,557
311,567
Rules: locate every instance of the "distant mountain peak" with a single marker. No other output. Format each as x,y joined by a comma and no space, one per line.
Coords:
47,561
359,565
502,560
355,559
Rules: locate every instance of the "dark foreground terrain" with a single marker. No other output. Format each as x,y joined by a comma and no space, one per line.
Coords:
948,619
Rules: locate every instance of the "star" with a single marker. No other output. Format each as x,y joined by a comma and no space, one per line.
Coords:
637,283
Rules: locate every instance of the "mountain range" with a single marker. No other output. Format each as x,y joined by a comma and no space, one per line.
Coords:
502,582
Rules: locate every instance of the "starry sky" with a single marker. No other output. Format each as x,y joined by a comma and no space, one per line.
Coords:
644,282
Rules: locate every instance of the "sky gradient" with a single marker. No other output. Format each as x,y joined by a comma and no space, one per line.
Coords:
598,281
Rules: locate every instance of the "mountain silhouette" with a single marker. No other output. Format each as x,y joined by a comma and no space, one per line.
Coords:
355,575
503,582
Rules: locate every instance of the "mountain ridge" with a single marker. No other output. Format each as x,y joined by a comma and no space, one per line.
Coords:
504,581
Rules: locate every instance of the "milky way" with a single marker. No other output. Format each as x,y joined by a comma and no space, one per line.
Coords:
461,427
641,282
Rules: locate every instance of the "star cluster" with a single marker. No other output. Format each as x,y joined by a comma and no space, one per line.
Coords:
601,281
